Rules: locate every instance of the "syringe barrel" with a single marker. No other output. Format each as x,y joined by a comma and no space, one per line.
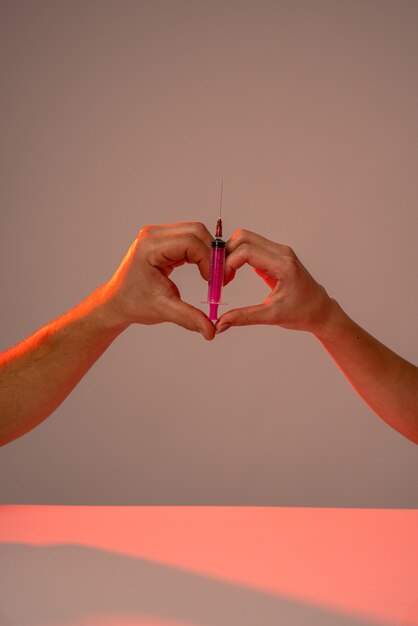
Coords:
216,276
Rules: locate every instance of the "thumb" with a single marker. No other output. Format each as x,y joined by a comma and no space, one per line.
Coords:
246,316
188,316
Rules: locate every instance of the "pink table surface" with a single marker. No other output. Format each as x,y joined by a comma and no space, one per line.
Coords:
178,566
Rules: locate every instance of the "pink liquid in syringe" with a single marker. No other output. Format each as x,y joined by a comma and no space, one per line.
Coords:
216,275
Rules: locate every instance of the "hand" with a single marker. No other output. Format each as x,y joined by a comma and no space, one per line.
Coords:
296,301
141,291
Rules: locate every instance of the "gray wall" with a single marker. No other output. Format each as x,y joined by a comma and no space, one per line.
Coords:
119,114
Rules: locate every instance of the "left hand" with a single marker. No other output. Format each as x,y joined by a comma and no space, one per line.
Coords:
141,289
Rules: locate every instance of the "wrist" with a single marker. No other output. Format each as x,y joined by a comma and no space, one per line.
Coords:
332,322
106,310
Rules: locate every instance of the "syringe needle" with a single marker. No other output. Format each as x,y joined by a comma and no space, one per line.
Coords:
220,202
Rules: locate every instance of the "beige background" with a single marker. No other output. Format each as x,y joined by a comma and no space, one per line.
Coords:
119,114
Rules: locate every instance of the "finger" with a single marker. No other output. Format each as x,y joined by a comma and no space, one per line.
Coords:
176,249
229,274
246,316
259,258
247,236
189,317
271,282
194,228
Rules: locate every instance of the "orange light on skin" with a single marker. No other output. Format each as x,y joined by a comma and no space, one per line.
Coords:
361,562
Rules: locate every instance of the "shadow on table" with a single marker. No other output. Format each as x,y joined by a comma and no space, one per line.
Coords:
67,583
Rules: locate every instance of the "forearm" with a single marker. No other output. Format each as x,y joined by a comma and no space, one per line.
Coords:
38,374
387,382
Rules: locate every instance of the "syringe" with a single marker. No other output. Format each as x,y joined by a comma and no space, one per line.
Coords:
217,261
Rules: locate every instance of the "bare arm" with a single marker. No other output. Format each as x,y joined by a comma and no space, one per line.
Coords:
38,374
387,382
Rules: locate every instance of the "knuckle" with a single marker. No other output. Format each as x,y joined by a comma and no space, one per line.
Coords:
245,248
242,234
288,251
146,231
200,229
238,235
291,265
192,239
193,244
145,241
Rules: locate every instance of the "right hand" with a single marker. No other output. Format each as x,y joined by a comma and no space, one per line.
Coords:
296,301
141,290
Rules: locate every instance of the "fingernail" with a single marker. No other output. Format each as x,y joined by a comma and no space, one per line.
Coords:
223,327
